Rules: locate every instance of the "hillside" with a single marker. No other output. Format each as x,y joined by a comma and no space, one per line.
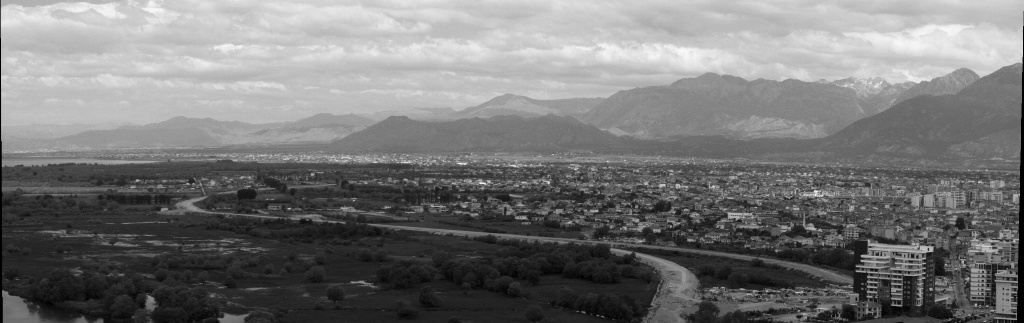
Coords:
499,134
514,105
981,121
191,132
712,105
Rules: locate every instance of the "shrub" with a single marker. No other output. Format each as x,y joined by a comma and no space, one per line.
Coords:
336,293
26,252
141,316
11,273
380,256
534,314
236,272
321,259
406,311
230,283
515,290
430,298
123,308
203,277
316,275
268,270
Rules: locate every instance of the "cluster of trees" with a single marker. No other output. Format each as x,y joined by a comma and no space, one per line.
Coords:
837,258
204,262
122,296
406,274
531,261
276,184
139,199
25,206
183,304
304,231
610,306
737,280
708,312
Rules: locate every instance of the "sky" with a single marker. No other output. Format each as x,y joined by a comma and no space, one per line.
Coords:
266,61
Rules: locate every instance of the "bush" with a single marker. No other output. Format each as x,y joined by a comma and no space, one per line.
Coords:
336,293
26,252
534,314
236,272
141,316
203,277
261,317
320,259
316,275
124,307
430,298
406,311
515,290
230,283
380,256
11,273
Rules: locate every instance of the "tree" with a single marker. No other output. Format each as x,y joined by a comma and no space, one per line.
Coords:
723,273
406,311
170,315
316,275
336,293
11,273
515,290
534,314
849,313
123,308
707,312
429,297
961,224
247,194
141,316
261,317
940,266
940,312
601,232
203,277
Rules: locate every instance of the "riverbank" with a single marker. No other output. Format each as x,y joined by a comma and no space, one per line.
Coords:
91,308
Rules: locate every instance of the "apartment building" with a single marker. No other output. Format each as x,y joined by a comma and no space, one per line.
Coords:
983,282
1006,296
895,279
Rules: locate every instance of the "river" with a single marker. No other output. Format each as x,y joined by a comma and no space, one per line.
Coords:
17,311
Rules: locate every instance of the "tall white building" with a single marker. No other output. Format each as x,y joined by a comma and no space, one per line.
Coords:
900,278
1006,296
987,259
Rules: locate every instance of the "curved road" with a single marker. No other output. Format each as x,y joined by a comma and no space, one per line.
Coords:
679,287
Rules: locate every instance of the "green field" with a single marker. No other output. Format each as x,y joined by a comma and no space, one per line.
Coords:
128,242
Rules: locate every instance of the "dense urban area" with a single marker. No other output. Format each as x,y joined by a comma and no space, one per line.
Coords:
291,238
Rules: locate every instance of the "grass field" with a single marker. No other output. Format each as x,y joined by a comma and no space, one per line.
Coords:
130,241
432,222
693,262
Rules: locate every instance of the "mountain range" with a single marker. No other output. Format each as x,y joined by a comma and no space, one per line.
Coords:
723,105
956,116
982,120
191,132
496,134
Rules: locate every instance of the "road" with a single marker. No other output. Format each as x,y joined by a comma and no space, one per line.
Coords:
679,289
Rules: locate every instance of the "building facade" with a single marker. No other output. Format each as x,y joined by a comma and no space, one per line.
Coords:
901,279
1006,296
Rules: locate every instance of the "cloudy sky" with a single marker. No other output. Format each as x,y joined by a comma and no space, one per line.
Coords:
264,61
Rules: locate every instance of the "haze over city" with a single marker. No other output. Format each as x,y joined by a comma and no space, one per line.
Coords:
269,61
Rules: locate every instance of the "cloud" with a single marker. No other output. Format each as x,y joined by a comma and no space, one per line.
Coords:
283,58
